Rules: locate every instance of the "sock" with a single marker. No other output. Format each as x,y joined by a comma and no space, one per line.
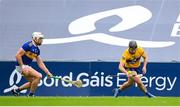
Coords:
149,94
31,94
18,90
120,90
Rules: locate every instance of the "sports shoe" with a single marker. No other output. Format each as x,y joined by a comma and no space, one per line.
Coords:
14,92
150,95
116,92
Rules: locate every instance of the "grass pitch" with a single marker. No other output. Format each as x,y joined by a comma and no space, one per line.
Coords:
89,101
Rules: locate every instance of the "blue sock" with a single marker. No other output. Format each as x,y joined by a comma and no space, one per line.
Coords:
31,94
120,91
116,92
18,90
149,94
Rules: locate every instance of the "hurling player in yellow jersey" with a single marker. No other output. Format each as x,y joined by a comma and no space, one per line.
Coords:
130,65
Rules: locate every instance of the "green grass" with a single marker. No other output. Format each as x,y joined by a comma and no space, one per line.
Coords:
89,101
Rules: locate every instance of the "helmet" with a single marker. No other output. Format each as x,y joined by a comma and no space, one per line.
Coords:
37,35
132,44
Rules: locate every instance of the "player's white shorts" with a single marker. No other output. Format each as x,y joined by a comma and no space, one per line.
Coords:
18,68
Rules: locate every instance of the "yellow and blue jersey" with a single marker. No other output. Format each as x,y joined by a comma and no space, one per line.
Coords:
31,52
132,60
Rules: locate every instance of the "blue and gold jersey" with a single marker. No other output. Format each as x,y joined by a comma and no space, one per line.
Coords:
133,60
31,52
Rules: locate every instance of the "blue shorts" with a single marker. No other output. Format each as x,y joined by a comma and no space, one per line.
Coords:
138,70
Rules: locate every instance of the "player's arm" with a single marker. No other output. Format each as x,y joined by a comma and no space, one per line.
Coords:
19,55
145,57
42,66
121,68
122,64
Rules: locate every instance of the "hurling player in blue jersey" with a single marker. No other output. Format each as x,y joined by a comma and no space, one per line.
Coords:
25,55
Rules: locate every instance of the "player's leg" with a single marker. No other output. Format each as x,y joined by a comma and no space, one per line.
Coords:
33,77
129,83
36,80
22,87
125,85
27,85
143,87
